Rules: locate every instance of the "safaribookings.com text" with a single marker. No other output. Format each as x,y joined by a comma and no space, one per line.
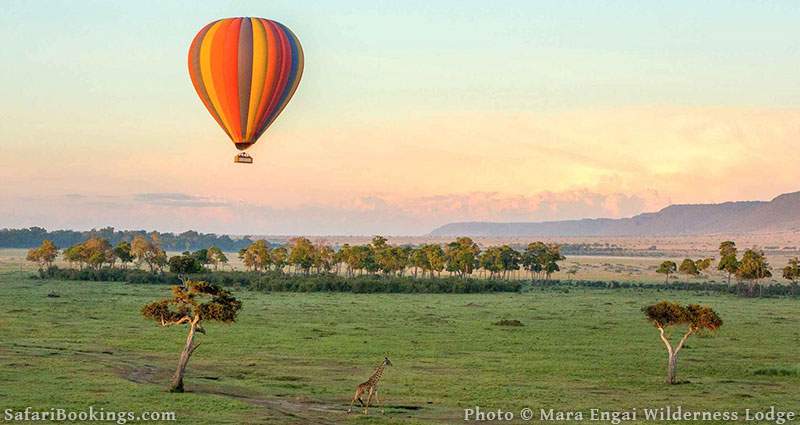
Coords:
90,414
668,414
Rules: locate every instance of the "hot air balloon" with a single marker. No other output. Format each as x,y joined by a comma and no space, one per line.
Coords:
245,71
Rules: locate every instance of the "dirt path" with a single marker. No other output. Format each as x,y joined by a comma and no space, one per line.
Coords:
277,410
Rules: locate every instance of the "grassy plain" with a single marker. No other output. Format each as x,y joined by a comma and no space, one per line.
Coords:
296,358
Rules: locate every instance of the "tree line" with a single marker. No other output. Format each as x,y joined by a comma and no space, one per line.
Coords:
749,269
190,240
461,257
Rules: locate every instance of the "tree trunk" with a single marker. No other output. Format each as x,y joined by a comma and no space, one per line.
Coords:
672,368
188,349
672,354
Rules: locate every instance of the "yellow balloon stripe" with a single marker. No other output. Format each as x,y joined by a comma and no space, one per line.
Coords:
259,71
208,77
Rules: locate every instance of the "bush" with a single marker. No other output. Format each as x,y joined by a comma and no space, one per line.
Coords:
281,282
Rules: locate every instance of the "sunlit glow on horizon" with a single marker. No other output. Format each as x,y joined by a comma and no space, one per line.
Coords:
527,121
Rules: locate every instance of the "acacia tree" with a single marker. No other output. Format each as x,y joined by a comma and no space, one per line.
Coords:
345,255
549,261
192,303
123,252
279,257
44,255
98,251
667,314
360,258
532,258
418,261
491,261
149,251
74,254
727,259
703,264
323,258
384,256
435,258
248,258
753,268
792,272
462,256
510,260
216,257
667,268
689,267
301,254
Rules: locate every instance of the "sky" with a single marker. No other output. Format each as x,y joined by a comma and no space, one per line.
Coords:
409,115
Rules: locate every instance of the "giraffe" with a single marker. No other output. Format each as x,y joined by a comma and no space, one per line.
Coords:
370,387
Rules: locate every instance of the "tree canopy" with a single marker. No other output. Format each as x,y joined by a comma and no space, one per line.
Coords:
689,267
194,299
189,240
697,317
667,268
44,255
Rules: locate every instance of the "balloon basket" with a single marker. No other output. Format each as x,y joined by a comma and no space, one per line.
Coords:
243,158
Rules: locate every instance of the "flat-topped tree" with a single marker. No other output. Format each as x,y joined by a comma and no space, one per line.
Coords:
191,304
667,268
727,259
44,255
216,257
703,264
792,272
752,268
667,314
123,251
689,267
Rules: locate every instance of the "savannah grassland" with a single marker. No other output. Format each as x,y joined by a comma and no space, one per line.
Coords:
296,358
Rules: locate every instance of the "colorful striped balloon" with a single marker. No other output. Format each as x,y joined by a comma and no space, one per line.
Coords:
245,70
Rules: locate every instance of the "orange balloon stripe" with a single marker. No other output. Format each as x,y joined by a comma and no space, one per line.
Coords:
208,76
245,71
218,72
267,71
230,83
259,71
196,75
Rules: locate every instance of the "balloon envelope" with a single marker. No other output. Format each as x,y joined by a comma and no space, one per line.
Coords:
245,71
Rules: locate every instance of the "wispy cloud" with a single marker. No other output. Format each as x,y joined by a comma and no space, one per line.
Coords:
175,199
363,215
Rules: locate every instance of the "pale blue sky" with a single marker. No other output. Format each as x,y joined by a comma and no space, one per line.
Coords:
374,56
88,78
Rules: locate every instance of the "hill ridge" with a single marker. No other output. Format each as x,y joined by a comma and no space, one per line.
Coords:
782,213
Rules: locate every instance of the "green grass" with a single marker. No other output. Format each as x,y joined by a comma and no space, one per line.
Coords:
296,358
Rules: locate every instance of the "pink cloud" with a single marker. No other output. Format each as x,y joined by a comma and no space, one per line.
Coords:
356,216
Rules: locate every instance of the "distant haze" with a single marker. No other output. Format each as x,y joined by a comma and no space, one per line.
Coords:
780,214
